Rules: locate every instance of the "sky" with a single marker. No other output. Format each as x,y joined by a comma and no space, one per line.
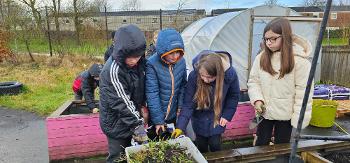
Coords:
204,4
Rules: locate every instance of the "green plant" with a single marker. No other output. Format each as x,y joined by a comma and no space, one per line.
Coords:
162,152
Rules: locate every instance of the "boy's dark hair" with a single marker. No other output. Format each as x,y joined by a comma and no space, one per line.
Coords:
95,70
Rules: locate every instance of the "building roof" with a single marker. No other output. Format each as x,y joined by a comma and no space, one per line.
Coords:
145,13
320,9
154,12
340,8
222,11
307,9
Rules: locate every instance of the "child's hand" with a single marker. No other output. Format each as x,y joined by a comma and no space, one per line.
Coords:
95,110
159,127
145,114
223,122
259,107
178,112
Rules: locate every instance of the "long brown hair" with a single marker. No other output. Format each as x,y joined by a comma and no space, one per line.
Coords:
213,65
280,26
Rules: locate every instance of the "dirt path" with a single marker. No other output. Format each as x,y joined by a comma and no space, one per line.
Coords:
22,137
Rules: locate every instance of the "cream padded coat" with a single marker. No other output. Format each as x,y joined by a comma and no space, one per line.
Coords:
283,97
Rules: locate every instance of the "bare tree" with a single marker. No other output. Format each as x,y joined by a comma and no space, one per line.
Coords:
77,24
317,3
344,2
130,5
271,2
180,5
56,12
2,10
82,9
34,10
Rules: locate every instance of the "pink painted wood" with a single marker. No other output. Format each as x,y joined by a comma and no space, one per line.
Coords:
75,136
239,125
80,135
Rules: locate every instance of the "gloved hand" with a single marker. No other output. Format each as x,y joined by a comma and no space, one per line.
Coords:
140,134
95,110
176,133
260,107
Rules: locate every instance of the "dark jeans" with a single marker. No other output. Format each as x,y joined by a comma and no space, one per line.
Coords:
282,132
116,147
214,143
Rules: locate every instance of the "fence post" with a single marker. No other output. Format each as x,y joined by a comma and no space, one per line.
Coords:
48,31
160,19
106,26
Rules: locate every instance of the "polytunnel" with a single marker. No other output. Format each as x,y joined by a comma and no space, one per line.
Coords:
240,34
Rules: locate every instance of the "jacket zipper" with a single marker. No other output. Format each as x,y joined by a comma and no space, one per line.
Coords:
172,90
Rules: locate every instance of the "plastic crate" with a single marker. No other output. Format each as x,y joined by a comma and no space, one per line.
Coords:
184,142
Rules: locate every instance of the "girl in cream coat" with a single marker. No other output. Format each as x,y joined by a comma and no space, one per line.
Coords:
278,80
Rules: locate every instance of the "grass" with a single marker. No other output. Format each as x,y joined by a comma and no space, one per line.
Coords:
46,87
335,41
69,46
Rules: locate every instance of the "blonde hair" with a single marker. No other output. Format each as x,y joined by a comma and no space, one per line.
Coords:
212,63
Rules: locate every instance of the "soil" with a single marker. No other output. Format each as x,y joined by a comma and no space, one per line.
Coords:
338,157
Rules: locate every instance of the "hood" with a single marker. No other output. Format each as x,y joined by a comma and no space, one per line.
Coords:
95,70
301,47
226,61
129,41
168,41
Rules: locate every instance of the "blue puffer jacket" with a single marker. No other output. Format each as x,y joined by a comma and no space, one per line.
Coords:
164,81
203,120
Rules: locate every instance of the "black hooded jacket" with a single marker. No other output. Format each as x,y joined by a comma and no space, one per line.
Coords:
85,84
122,88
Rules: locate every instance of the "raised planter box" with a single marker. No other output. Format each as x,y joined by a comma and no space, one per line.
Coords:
239,126
75,133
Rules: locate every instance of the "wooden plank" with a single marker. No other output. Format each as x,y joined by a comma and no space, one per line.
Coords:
313,157
61,109
79,155
244,154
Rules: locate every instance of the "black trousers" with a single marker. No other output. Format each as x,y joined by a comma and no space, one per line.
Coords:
116,147
213,142
282,132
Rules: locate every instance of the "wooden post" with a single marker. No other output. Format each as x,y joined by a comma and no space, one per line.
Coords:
48,31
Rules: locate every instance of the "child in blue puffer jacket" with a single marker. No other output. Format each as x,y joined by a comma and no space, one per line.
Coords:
165,81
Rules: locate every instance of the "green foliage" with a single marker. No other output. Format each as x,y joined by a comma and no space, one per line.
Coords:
335,41
68,46
162,152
